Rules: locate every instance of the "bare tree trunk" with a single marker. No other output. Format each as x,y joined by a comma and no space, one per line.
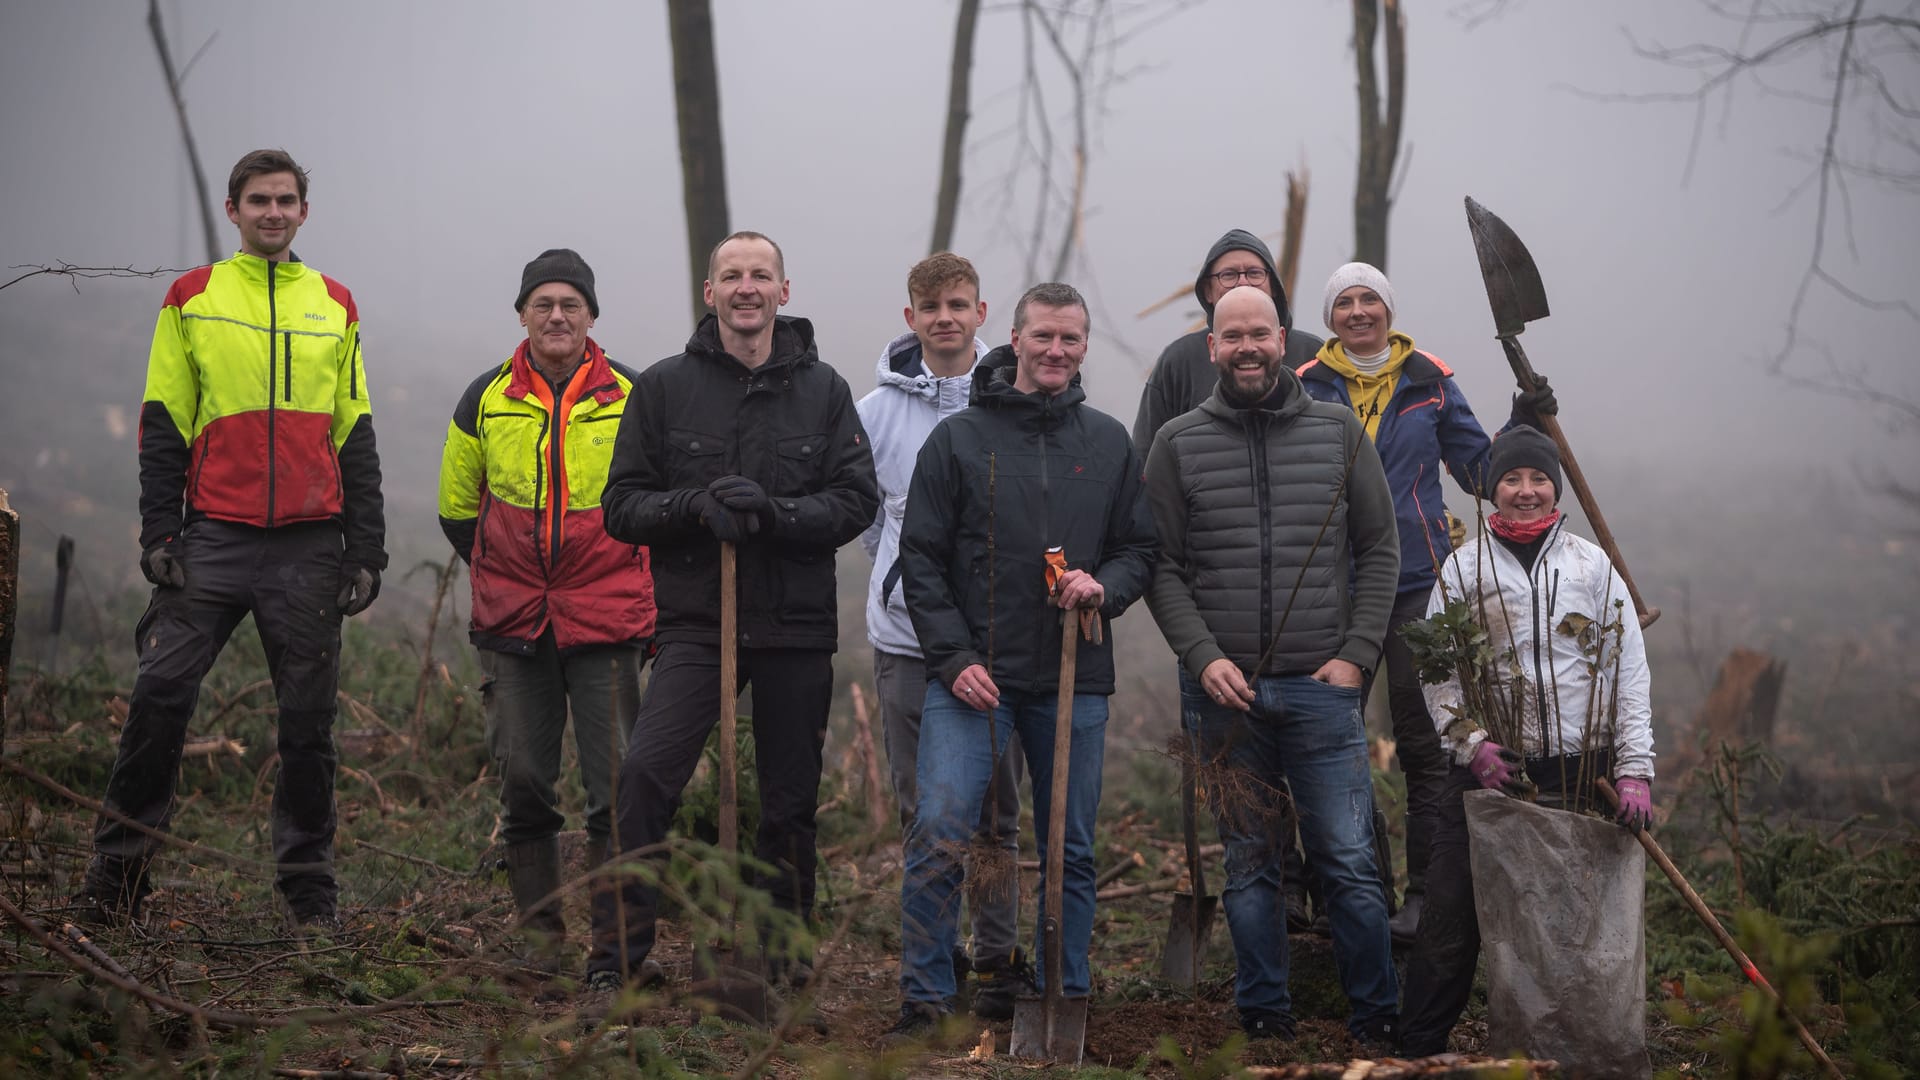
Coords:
186,130
1379,135
1289,265
1077,69
703,167
9,601
946,205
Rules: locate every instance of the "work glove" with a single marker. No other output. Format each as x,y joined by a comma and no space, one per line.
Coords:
743,496
1636,803
727,526
1500,769
1530,405
163,566
358,586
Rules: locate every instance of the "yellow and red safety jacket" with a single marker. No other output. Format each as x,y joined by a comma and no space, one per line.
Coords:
520,483
256,407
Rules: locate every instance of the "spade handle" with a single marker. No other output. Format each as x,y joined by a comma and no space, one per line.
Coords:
1707,919
1523,372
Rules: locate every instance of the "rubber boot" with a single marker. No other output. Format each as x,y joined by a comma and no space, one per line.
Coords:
533,873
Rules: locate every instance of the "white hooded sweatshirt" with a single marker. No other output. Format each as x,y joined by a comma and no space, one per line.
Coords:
899,414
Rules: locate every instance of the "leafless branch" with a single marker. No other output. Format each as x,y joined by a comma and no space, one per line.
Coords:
70,271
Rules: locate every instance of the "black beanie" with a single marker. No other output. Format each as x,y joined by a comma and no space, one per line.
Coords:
558,264
1521,447
1242,240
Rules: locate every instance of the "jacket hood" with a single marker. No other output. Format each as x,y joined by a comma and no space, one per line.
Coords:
1288,400
993,387
792,342
902,366
1242,240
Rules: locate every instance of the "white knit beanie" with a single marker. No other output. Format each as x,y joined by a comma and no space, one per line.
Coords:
1356,273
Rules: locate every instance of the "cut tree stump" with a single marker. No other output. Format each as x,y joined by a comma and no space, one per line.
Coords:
1745,699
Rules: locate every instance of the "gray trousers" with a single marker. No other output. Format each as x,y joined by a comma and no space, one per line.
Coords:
527,702
902,685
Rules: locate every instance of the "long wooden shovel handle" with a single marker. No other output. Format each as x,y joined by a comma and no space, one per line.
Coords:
1523,373
1057,817
1712,923
729,701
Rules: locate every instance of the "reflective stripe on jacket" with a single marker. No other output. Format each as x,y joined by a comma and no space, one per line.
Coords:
520,484
256,406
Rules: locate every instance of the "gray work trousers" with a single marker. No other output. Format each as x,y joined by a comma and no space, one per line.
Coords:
527,702
902,685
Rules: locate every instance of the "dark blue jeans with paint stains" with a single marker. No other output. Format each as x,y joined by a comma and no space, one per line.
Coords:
1311,734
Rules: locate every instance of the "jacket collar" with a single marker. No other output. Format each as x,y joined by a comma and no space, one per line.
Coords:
793,344
254,268
1288,400
903,366
993,388
1420,369
598,374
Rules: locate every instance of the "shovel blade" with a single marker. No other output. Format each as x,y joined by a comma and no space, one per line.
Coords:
1192,922
1513,282
733,983
1065,1044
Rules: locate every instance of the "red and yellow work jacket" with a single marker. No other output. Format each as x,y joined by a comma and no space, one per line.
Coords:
520,483
256,407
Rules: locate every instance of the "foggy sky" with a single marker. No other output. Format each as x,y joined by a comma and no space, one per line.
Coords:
450,142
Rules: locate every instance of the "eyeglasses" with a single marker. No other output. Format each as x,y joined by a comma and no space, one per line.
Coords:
1253,275
570,308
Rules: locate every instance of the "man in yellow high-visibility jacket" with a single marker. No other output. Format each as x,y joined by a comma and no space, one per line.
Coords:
561,610
259,494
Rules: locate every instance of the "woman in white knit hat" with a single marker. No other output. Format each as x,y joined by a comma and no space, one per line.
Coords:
1420,423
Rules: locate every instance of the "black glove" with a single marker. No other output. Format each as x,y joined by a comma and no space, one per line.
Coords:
358,586
1530,405
163,566
727,526
739,494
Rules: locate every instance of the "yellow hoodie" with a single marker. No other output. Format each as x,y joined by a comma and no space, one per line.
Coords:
1369,393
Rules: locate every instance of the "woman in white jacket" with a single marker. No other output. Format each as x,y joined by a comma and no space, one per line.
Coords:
1564,701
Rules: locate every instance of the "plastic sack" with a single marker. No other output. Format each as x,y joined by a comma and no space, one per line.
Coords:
1561,898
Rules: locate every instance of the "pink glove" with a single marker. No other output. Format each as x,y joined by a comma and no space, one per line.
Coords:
1636,803
1498,768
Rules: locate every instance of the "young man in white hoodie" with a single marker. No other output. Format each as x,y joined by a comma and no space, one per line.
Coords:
925,376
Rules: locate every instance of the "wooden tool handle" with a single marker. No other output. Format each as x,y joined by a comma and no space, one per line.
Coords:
1523,373
1057,811
729,701
1712,923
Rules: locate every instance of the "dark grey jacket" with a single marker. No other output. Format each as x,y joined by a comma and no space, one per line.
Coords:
1277,536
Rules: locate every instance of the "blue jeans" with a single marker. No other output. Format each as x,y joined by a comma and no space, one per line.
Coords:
955,764
1312,735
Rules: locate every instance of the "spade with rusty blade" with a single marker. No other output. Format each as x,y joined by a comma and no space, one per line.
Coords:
1193,911
1518,298
731,976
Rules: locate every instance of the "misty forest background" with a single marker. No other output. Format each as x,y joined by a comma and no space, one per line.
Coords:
1723,201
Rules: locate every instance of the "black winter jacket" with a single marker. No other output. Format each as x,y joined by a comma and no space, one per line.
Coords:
790,426
996,485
